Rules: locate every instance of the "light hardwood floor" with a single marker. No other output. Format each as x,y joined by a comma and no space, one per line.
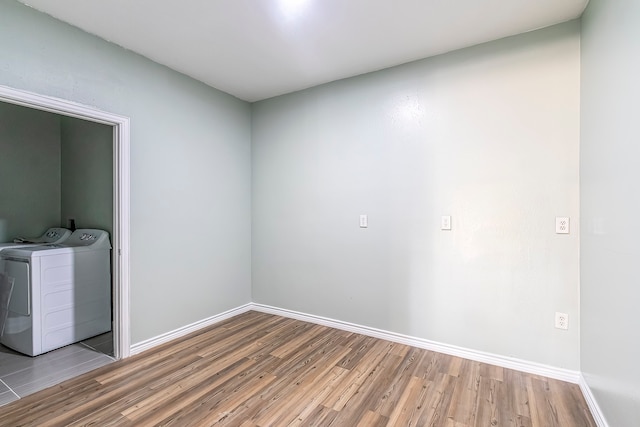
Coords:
263,370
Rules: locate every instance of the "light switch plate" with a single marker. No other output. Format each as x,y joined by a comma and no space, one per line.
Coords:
445,222
364,221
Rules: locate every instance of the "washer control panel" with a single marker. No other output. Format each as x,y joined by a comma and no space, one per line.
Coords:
88,237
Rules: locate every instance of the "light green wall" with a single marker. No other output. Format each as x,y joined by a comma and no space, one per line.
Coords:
29,172
488,135
190,165
610,206
87,173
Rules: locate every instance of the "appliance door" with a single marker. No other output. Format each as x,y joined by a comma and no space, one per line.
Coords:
6,287
20,302
18,328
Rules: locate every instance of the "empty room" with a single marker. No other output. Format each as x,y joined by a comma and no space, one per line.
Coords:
345,213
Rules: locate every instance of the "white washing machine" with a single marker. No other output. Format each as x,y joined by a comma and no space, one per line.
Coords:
61,293
52,235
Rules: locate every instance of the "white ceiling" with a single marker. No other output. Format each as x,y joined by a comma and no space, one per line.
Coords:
256,49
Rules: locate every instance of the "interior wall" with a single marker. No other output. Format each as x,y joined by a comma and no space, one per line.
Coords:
488,135
87,174
610,208
190,165
29,172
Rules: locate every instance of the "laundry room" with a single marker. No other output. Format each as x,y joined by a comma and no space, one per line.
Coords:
56,173
53,168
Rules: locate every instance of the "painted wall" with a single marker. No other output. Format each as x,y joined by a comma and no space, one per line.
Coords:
87,173
190,165
610,208
29,172
488,135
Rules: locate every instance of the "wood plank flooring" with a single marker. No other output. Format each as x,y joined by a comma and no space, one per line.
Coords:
263,370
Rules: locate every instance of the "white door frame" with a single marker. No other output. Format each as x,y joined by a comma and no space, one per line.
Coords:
120,238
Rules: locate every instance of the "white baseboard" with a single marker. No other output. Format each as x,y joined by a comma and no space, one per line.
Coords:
479,356
592,403
186,330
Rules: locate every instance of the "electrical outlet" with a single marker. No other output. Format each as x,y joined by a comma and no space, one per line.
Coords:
562,225
562,320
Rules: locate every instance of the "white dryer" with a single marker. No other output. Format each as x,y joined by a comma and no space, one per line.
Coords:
61,293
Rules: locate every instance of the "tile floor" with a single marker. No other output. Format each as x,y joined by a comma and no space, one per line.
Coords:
21,375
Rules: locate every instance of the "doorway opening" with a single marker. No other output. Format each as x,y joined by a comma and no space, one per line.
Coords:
121,205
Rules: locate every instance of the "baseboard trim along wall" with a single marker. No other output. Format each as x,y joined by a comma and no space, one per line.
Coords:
592,403
479,356
186,330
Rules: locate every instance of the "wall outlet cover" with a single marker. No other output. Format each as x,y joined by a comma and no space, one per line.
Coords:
562,320
562,225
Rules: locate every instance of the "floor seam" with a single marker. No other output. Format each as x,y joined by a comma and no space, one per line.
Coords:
10,389
88,346
98,351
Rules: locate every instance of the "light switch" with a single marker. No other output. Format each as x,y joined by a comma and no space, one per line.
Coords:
364,221
445,222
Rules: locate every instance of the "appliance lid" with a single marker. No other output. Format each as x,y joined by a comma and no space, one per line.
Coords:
52,235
